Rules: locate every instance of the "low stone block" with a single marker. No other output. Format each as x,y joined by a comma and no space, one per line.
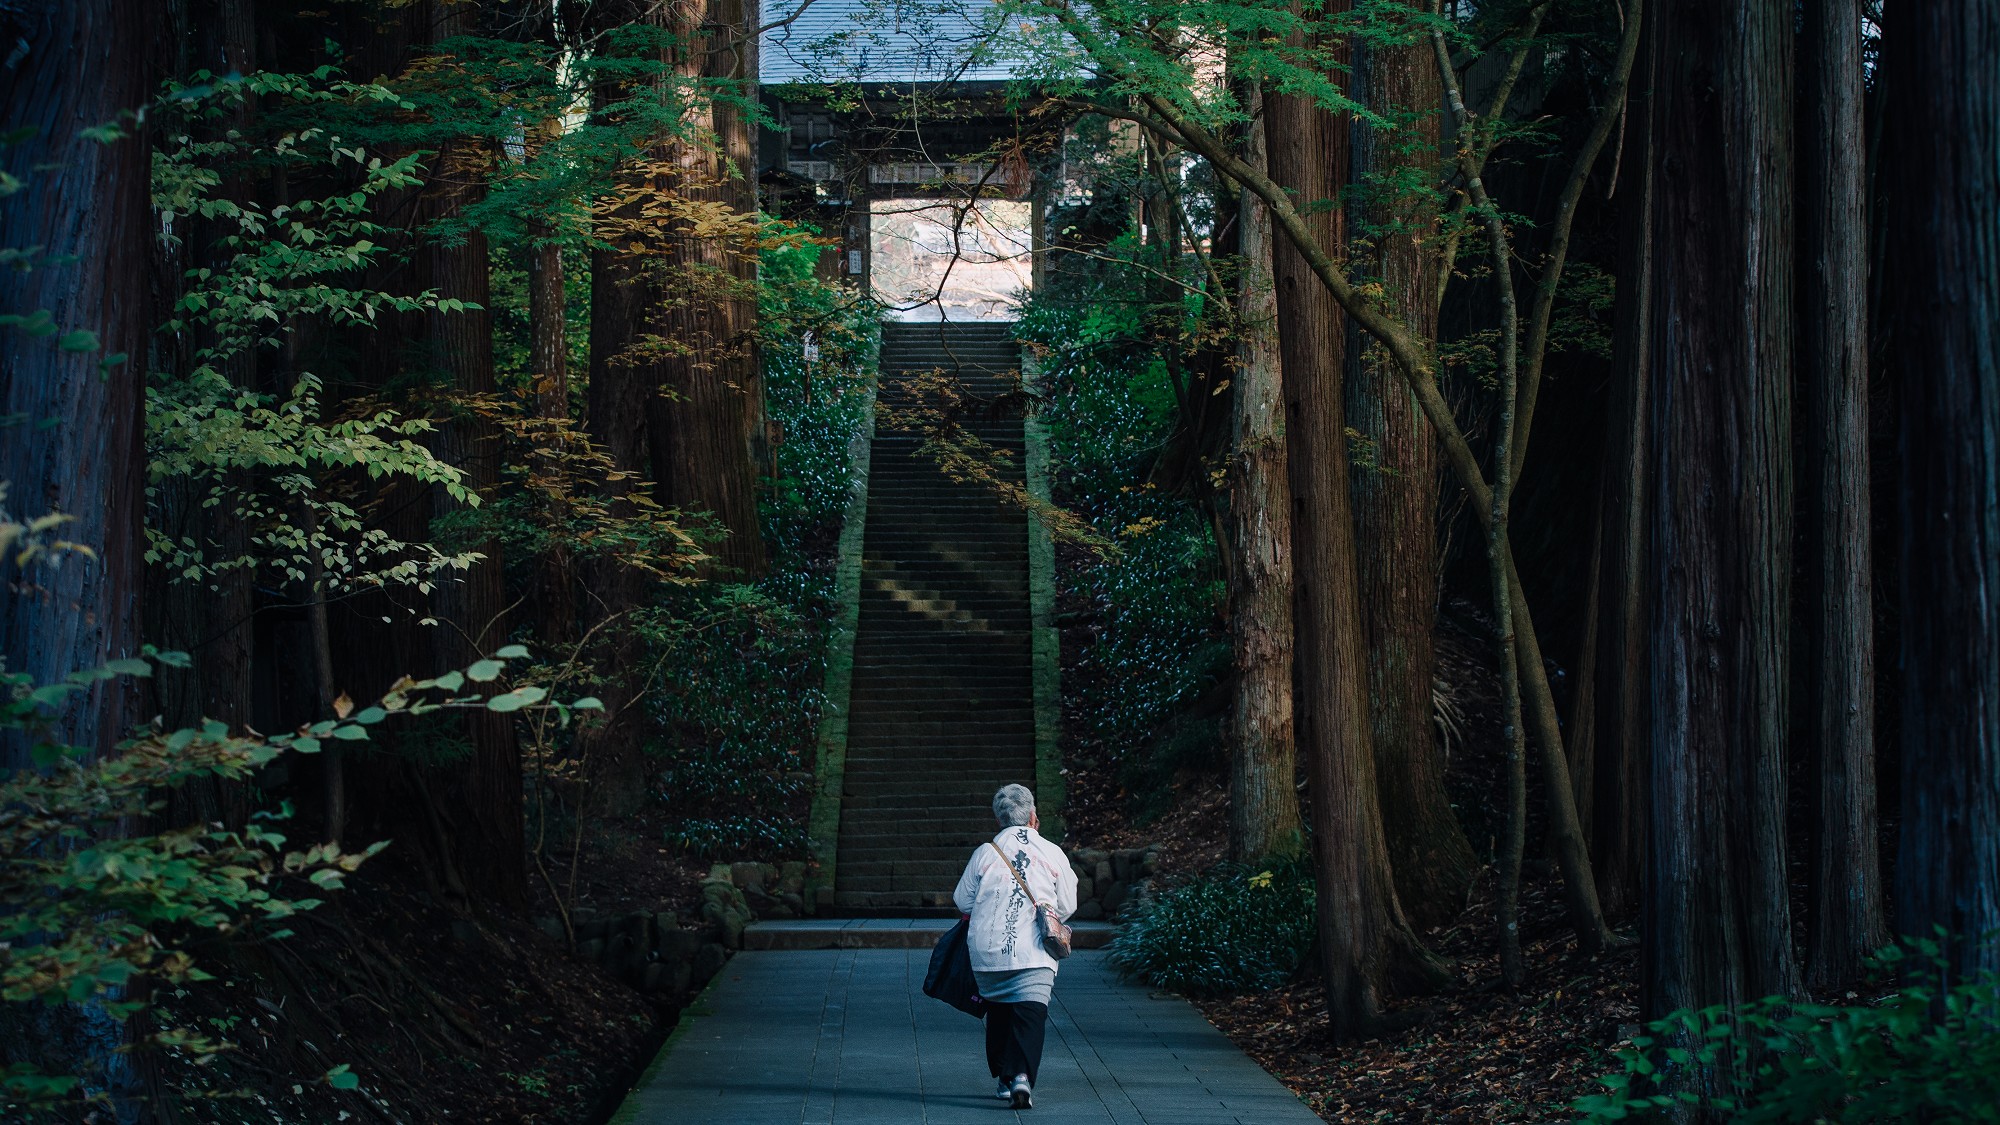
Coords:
656,977
551,926
747,875
1102,872
1115,896
590,950
708,961
619,949
728,920
676,945
1086,889
638,927
1089,912
791,878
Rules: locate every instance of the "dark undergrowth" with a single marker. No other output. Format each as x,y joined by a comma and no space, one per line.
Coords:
439,1016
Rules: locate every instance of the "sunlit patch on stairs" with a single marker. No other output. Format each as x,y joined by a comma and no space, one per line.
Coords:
930,604
941,705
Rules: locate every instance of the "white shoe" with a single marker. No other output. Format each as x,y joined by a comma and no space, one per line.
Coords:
1006,1089
1023,1097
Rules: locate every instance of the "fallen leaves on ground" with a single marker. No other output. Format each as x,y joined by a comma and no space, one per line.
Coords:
1476,1053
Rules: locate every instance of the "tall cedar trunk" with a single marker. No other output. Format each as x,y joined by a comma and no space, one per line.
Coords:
1395,500
209,618
624,381
1363,934
1718,927
1263,796
548,362
489,834
707,428
615,417
1622,725
1944,262
1837,571
72,442
75,447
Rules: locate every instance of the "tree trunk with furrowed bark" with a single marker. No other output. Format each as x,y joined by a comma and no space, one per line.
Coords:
1395,497
1263,793
1365,940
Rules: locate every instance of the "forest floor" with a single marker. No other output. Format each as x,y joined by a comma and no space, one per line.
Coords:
443,1016
1475,1052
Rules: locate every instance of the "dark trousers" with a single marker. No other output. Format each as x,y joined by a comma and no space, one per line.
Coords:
1014,1035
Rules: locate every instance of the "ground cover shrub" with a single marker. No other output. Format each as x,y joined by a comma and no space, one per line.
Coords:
1924,1051
1236,928
1157,643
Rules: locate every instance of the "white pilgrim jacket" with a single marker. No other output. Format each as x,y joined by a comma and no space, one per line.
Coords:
1005,933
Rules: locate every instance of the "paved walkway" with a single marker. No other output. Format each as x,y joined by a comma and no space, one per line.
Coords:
826,1036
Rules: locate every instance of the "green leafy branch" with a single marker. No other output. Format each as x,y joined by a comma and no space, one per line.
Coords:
89,908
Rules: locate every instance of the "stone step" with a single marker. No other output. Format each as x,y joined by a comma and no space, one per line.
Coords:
856,795
941,767
996,651
885,786
867,729
973,778
985,360
937,880
957,842
879,828
905,589
907,446
985,570
920,823
897,692
874,744
882,933
929,645
939,870
996,541
957,665
886,824
978,712
884,899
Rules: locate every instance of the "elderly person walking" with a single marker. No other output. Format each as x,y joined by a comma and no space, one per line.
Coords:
1016,974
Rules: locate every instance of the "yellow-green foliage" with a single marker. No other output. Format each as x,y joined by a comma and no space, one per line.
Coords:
274,460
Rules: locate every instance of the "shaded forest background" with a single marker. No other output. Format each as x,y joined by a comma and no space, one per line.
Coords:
1523,487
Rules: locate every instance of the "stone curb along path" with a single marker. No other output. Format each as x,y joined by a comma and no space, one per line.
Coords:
846,1036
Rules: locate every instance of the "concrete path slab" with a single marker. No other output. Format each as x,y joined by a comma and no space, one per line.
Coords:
883,933
847,1036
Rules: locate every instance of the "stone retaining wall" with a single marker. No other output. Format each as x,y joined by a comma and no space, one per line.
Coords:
1105,880
663,956
669,958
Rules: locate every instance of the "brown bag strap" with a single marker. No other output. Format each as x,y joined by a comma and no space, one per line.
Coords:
1011,870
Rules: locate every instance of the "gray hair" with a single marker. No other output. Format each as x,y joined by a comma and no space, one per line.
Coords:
1013,805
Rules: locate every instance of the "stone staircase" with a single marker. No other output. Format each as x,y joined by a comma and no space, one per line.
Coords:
941,706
